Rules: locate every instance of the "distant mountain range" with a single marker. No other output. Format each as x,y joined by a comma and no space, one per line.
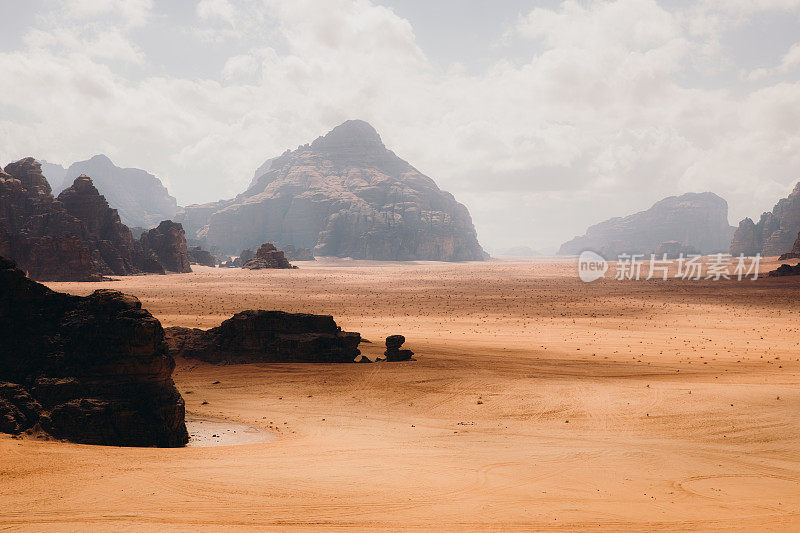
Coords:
139,197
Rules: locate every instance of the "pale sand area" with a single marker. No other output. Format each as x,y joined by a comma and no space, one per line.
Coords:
537,403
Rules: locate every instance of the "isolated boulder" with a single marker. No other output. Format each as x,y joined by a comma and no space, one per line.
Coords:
92,369
267,256
343,195
393,351
267,337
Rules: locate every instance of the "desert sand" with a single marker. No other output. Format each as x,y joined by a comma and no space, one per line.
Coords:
537,402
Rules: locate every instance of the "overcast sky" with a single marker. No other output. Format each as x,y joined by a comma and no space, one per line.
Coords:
543,117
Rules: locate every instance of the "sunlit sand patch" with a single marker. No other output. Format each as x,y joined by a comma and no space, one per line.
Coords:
205,432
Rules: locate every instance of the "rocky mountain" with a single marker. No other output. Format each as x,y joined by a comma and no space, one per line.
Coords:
77,236
139,197
343,195
695,220
93,370
775,232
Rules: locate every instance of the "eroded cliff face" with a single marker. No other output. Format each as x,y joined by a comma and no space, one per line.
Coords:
93,370
77,236
343,195
37,231
167,244
695,220
774,233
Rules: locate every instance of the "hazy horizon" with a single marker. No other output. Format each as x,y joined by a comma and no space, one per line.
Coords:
541,117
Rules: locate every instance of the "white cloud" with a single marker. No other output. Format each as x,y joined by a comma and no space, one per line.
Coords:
599,119
134,12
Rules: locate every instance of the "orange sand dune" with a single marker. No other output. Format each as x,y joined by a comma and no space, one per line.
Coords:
537,402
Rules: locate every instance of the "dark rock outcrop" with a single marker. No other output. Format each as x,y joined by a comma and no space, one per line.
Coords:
343,195
267,256
109,240
167,244
77,236
140,197
393,351
785,270
698,220
774,232
794,253
198,256
37,231
92,369
267,337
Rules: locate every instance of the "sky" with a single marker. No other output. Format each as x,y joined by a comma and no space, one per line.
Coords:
542,117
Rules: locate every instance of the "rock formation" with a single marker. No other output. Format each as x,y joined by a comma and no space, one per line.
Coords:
785,270
76,237
343,195
267,337
393,351
794,253
775,231
37,231
674,250
698,220
92,369
109,239
198,256
297,254
267,256
140,197
167,243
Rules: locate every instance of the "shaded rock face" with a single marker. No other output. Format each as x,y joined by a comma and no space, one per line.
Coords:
92,370
166,243
37,231
76,237
774,233
198,256
267,336
140,197
698,220
109,239
267,256
343,195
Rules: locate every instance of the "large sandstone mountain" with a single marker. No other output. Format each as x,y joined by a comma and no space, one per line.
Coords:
343,195
775,232
77,236
92,369
139,197
694,220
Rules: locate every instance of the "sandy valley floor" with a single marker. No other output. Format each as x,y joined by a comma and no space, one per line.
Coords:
537,402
